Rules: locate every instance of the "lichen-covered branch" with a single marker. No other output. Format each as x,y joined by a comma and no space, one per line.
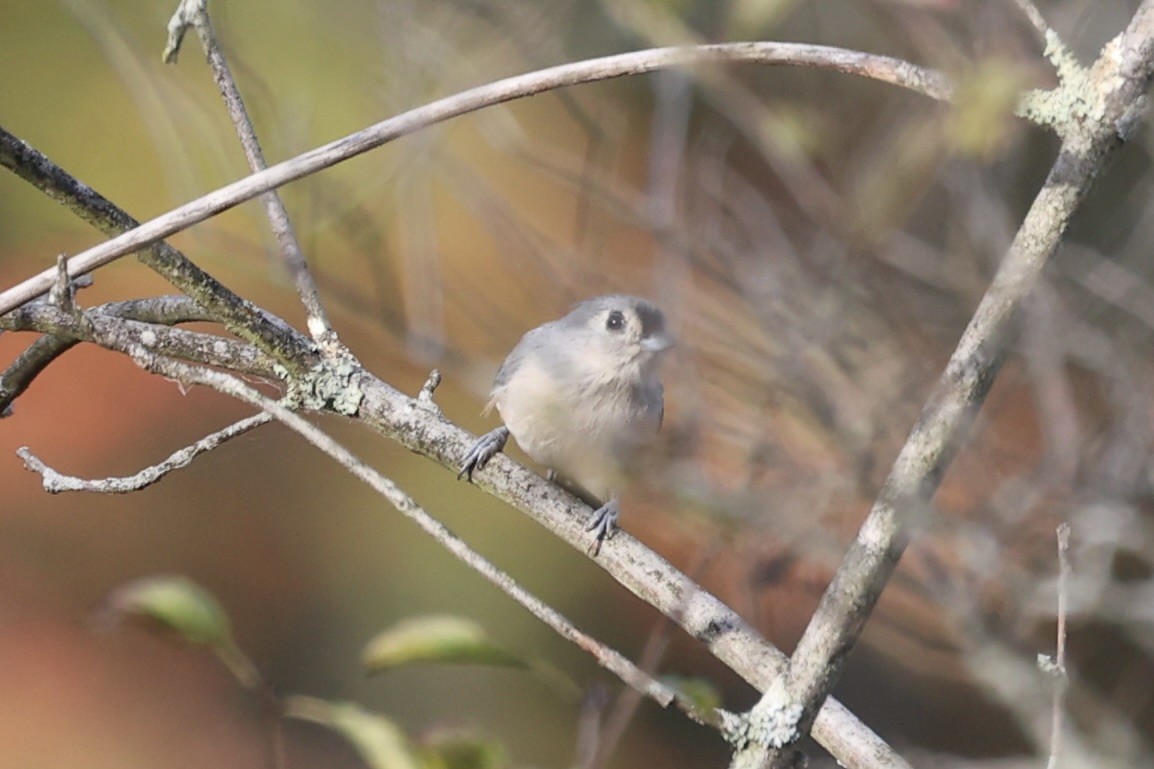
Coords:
123,334
607,657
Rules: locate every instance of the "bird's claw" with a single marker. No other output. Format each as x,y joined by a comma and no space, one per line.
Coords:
603,525
482,451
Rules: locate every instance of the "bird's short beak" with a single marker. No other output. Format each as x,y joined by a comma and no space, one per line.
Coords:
658,343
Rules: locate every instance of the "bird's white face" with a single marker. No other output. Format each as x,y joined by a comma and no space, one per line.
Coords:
621,334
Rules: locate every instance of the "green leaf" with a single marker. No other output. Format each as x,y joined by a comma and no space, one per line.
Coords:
701,692
378,740
462,750
436,638
178,604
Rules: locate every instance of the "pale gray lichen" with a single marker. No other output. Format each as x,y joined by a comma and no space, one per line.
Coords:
1074,100
1131,121
1050,666
734,728
775,726
330,386
1062,58
773,721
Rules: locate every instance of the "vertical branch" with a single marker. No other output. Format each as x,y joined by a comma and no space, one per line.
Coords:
1061,679
1034,16
195,12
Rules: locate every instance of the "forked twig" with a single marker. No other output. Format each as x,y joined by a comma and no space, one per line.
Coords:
55,482
239,316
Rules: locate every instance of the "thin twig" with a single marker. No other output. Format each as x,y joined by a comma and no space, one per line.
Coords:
19,375
1034,16
195,12
886,69
55,482
123,334
1124,74
608,658
625,707
1061,677
589,717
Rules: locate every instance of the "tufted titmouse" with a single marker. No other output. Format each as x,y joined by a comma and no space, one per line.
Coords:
581,395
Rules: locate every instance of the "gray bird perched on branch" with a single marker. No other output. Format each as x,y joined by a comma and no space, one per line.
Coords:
581,395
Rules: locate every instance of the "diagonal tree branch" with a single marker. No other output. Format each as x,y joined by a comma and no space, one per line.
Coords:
608,658
1121,77
238,315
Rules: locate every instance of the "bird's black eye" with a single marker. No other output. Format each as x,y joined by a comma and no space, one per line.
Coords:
615,321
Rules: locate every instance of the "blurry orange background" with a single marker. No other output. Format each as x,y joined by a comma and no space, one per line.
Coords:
438,250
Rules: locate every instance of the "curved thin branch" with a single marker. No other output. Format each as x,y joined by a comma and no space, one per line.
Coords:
1036,19
19,375
884,68
55,482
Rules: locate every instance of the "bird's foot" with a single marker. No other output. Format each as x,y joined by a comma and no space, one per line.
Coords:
482,451
603,525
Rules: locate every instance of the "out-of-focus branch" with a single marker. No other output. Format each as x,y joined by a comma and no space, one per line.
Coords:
886,69
1034,16
195,13
1122,76
1058,669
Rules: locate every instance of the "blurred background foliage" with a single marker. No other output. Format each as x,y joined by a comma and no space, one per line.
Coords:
818,242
